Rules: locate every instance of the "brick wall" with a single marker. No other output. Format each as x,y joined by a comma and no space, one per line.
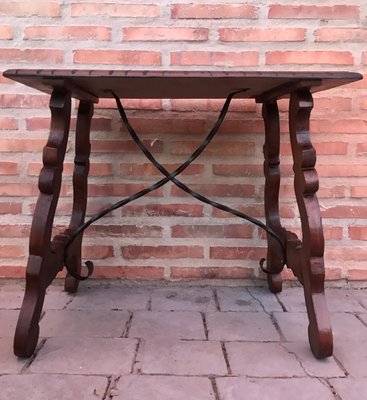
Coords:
167,234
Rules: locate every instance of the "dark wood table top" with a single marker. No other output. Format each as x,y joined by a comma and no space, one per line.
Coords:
178,84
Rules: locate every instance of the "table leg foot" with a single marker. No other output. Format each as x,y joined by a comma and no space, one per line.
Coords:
271,150
45,256
306,258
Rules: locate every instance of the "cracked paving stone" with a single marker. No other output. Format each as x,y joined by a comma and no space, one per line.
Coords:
46,387
353,356
268,300
350,388
274,389
8,320
237,299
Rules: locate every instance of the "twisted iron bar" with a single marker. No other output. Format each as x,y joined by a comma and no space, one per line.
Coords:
169,177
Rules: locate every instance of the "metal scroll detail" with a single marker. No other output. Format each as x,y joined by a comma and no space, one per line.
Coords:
169,177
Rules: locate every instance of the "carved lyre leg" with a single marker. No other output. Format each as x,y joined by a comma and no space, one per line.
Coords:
271,197
310,253
80,189
44,260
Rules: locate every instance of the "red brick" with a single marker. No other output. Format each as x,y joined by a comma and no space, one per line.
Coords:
357,274
149,34
213,11
21,145
217,58
11,251
339,170
305,11
131,104
363,103
115,10
358,232
6,32
326,105
124,146
192,105
8,123
218,190
216,148
117,57
330,148
364,58
96,169
211,273
212,231
97,252
30,9
162,252
10,208
344,211
14,231
126,272
262,34
238,170
18,189
252,210
346,253
23,101
67,32
32,55
339,126
169,125
125,230
140,170
12,271
358,191
164,210
119,189
237,253
8,168
333,232
362,149
310,57
341,35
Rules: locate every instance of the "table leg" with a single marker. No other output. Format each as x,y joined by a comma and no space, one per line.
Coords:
306,258
80,189
45,257
271,197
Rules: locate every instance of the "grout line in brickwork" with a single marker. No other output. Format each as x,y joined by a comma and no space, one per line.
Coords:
215,388
216,300
205,326
126,331
226,359
33,356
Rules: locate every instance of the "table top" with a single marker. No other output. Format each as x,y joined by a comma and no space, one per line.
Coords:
178,84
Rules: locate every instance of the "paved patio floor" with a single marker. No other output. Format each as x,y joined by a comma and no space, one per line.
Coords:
183,342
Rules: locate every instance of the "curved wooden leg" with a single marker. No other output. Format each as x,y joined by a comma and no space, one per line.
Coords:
80,188
311,250
271,198
45,259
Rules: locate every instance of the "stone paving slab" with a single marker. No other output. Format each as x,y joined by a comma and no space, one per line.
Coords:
237,299
353,356
345,326
267,299
262,360
115,298
176,357
254,326
46,387
325,368
138,387
184,299
9,364
81,355
99,323
350,388
273,389
11,296
178,325
8,323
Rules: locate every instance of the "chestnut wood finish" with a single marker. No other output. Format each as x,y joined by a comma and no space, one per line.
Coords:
304,257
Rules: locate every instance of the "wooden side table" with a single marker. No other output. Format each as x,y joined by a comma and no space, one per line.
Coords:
47,255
